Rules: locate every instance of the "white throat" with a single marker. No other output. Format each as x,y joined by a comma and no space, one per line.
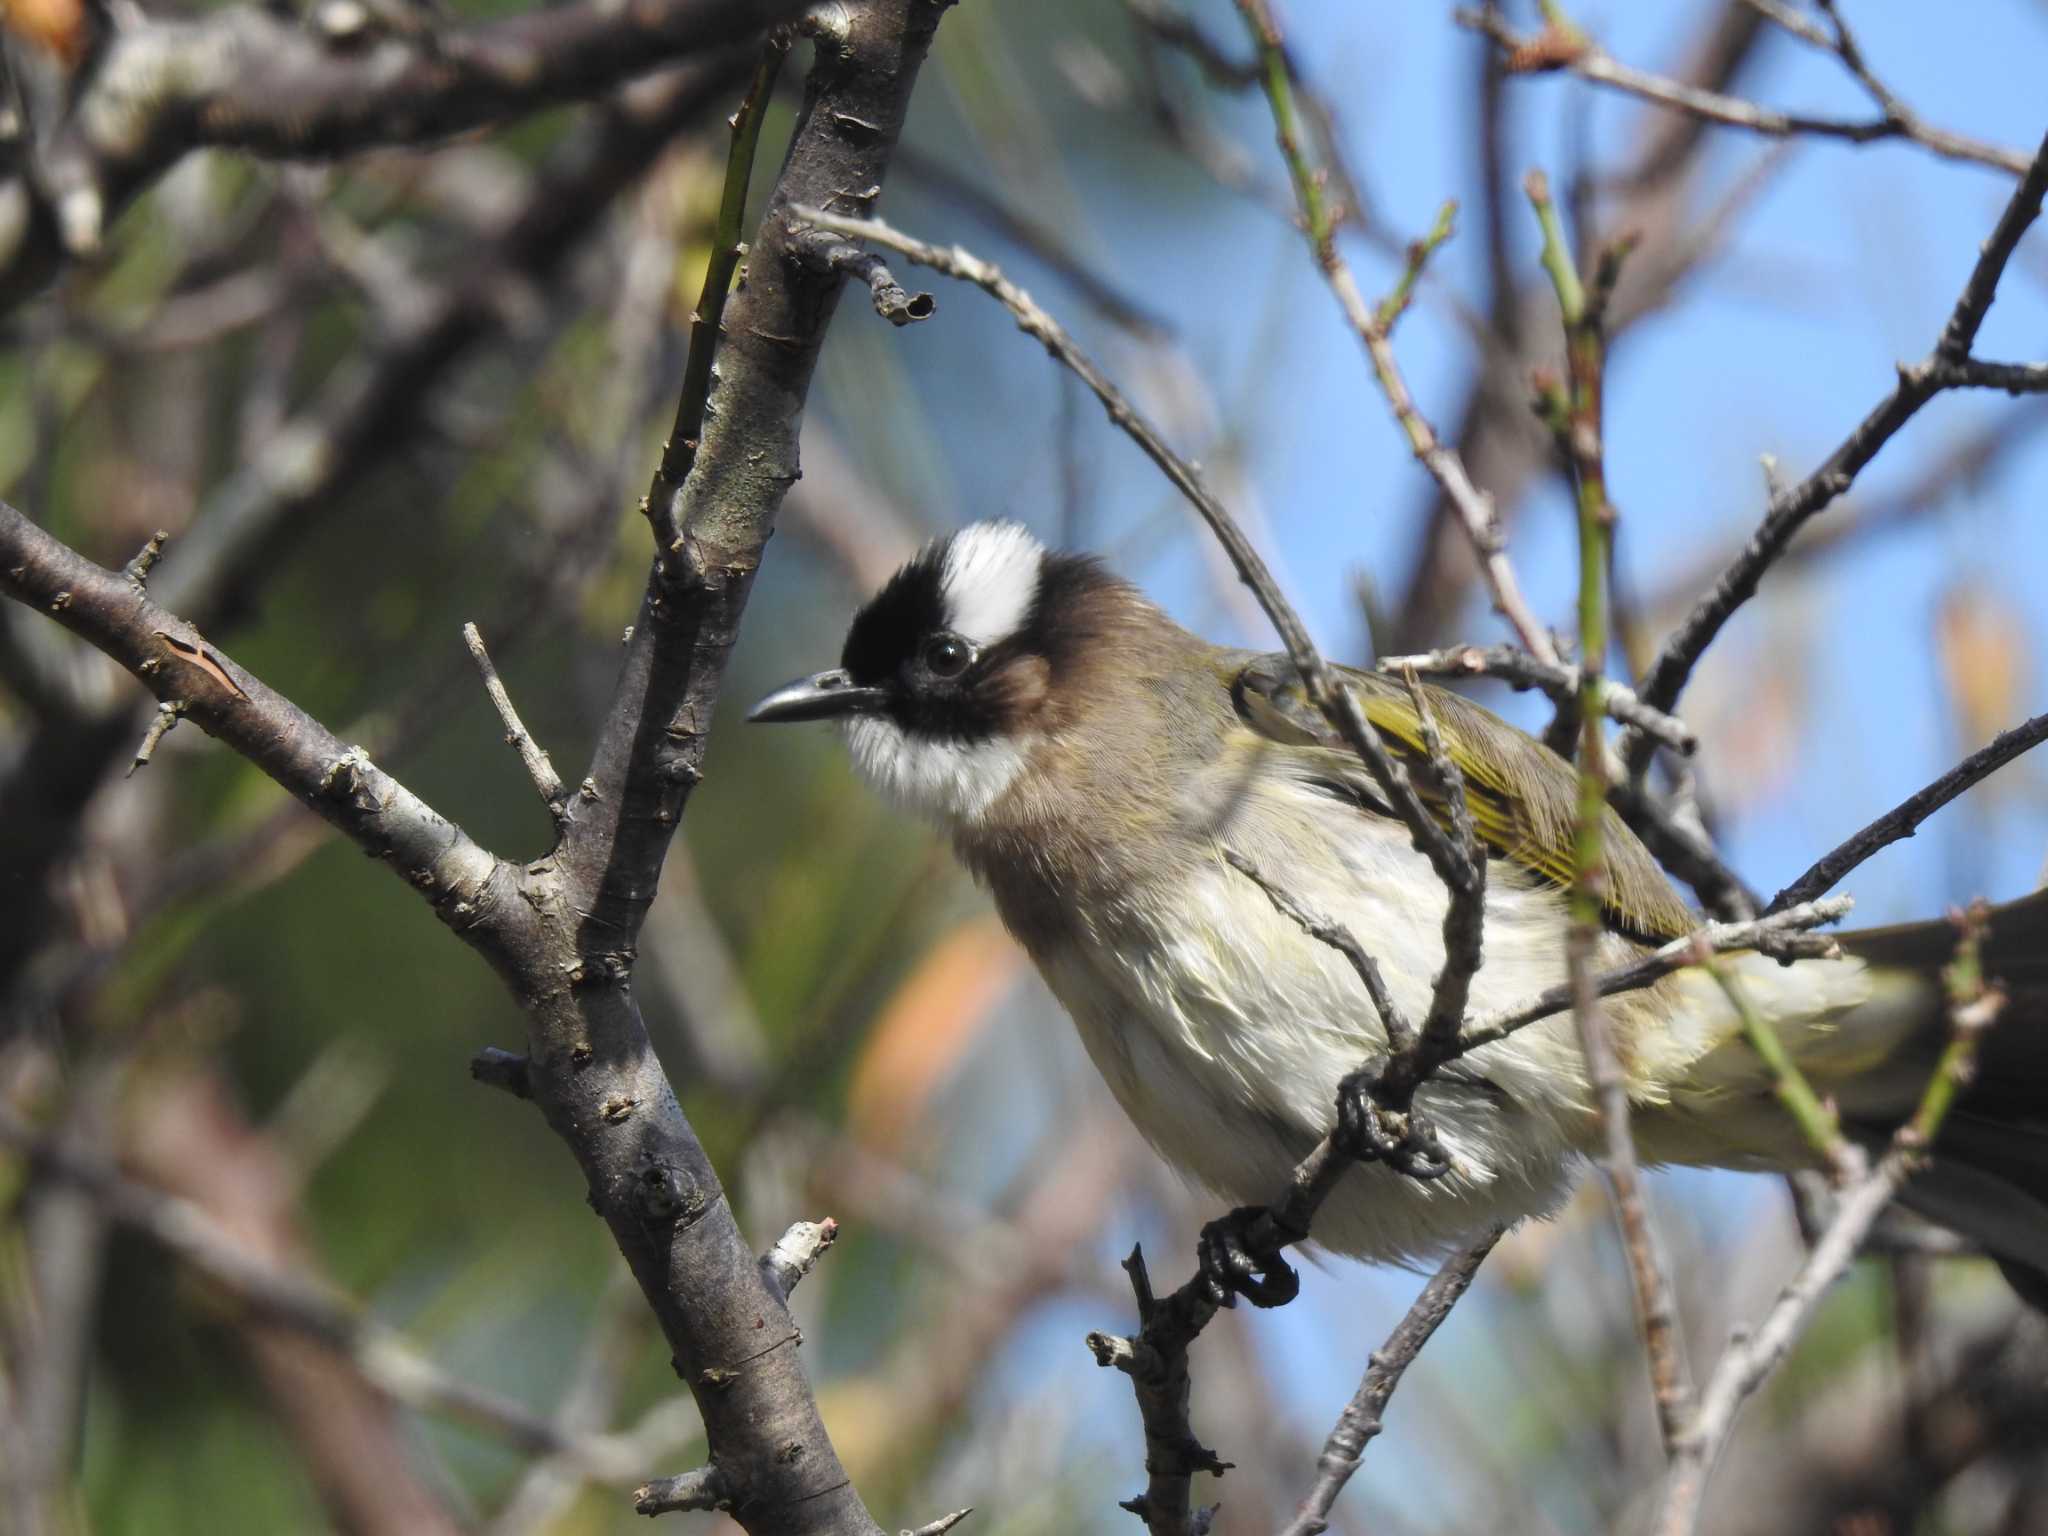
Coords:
947,782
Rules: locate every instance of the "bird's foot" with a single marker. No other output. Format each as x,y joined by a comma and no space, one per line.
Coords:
1239,1255
1370,1132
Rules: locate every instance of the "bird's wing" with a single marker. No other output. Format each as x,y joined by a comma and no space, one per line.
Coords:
1522,796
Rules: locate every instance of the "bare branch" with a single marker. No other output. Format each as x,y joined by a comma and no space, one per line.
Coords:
496,1068
1576,411
1565,46
246,78
679,453
138,569
1783,934
173,659
701,1489
1374,328
1790,509
1327,930
1904,819
168,714
1157,1363
371,407
1561,682
1750,1358
562,931
1360,1421
378,1353
892,303
943,1524
538,768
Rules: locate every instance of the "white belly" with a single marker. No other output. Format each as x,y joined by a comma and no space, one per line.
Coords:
1223,1030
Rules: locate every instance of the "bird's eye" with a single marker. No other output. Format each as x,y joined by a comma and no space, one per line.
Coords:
947,655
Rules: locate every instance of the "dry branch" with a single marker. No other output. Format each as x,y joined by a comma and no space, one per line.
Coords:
1563,45
1360,1421
1791,508
562,931
246,78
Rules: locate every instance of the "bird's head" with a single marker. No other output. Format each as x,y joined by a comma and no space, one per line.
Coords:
970,657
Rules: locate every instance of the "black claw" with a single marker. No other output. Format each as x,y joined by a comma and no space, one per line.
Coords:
1233,1266
1408,1145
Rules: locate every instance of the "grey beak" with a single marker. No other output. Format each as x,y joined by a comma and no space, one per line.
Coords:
821,696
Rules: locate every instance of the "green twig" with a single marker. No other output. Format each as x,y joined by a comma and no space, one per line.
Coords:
1575,414
1395,303
679,453
1972,1008
1817,1120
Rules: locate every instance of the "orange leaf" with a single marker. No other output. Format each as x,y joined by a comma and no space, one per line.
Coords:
58,26
1983,648
926,1027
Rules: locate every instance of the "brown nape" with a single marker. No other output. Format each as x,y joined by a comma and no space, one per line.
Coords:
1096,634
1019,691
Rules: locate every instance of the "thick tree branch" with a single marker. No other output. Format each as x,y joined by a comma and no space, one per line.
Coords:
563,930
243,77
466,885
372,408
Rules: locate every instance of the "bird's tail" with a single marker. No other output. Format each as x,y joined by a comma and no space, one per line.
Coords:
1872,1052
1988,1177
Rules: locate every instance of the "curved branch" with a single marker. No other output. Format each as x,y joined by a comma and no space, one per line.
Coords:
244,78
463,882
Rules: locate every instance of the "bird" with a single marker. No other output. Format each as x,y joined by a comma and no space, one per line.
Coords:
1116,782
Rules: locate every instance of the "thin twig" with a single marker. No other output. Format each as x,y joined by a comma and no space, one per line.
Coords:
1374,326
1361,1419
1749,1360
384,1359
1577,419
167,715
1789,510
1784,935
538,768
797,1251
1325,929
138,569
892,302
1522,671
1567,47
698,1489
1904,819
943,1524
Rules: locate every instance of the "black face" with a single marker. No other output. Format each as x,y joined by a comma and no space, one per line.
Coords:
935,679
1014,659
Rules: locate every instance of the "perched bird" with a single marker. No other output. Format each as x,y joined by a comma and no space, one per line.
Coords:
1108,776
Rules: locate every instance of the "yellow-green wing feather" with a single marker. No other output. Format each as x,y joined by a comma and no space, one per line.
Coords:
1523,797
